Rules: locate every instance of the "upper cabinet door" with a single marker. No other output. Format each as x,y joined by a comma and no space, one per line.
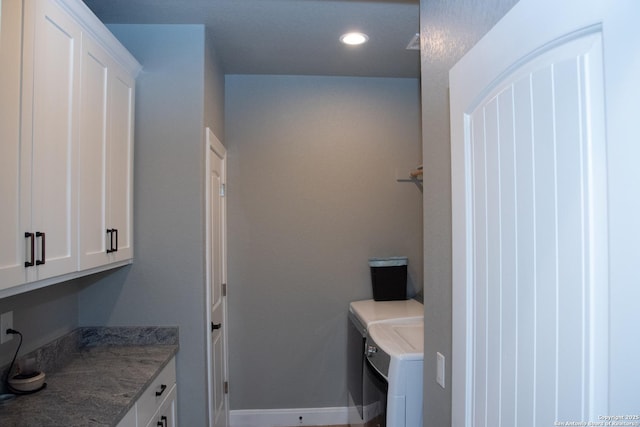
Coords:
12,270
50,124
93,151
106,159
121,105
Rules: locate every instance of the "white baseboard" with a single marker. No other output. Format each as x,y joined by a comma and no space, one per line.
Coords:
290,417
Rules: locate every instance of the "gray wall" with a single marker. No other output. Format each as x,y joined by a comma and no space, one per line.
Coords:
312,194
166,283
449,28
41,316
213,113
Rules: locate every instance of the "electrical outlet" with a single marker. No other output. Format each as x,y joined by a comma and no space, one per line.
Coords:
6,322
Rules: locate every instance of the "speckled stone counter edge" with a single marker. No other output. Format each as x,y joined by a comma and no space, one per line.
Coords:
143,335
52,356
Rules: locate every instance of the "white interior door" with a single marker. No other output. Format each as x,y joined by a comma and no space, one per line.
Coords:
216,245
535,217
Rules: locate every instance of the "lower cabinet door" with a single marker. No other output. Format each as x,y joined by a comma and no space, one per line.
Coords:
129,420
153,398
166,415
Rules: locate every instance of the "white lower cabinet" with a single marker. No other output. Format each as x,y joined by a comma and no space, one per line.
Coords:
166,415
129,420
157,406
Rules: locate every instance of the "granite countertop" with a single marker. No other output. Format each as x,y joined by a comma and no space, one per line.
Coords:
100,379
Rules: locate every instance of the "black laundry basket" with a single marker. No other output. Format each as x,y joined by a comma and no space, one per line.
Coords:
389,278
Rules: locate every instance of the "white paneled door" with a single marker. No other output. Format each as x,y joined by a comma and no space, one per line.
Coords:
216,278
531,218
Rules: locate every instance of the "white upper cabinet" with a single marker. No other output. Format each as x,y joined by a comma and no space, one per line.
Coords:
67,119
12,270
93,154
51,88
120,162
106,159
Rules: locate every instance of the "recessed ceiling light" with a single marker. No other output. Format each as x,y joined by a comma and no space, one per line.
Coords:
354,38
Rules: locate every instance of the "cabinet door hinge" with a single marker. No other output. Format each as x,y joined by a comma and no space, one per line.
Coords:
224,289
226,387
223,190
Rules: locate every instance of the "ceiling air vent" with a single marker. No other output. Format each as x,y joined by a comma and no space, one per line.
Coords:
414,43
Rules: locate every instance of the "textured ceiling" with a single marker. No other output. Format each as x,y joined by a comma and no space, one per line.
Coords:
298,37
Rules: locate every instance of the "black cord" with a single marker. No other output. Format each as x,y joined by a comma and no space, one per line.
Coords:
6,379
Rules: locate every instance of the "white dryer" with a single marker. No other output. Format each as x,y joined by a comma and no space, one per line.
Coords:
395,350
367,388
370,311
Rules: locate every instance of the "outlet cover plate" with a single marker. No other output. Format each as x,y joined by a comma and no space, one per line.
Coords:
440,369
6,322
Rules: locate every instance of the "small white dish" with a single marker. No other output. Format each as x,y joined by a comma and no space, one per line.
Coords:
27,383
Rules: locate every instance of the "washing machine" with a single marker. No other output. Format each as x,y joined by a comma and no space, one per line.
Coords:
395,351
366,402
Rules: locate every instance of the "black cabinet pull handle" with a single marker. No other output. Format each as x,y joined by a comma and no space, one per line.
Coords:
164,421
215,326
110,240
111,232
163,387
43,257
31,236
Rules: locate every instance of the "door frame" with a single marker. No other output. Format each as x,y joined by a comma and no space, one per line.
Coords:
213,144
